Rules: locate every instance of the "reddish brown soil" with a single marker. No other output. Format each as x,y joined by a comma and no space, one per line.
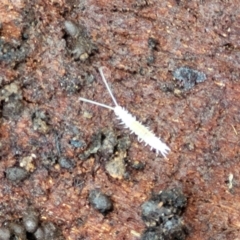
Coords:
140,44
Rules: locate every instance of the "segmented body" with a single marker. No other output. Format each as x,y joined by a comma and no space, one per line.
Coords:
142,132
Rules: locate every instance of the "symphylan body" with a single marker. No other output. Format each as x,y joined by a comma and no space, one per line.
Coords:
143,133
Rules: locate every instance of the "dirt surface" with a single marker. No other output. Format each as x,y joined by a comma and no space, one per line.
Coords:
55,150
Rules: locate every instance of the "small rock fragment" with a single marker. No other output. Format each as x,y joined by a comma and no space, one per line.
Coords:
116,167
30,221
16,174
100,201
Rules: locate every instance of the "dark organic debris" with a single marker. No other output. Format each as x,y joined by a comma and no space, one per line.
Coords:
100,201
93,148
107,143
16,174
188,77
80,44
112,149
162,216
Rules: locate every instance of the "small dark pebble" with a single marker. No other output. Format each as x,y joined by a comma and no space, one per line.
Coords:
30,221
188,77
66,163
107,143
16,174
100,201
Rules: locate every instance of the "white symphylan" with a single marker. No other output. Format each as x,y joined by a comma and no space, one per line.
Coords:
131,122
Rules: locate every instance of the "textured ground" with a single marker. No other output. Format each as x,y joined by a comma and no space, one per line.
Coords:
64,146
